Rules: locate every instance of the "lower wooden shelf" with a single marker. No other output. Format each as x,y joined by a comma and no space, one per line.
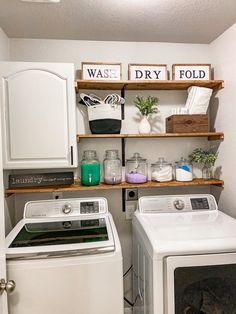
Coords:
123,185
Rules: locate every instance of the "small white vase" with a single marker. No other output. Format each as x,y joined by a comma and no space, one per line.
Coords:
144,126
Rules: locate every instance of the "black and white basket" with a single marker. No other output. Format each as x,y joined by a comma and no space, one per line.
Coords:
104,115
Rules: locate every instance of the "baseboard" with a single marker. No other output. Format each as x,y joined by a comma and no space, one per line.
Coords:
128,310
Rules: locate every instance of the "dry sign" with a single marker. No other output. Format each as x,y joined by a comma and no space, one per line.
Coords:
101,71
147,72
191,72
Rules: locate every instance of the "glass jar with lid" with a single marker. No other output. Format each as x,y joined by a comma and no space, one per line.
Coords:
136,169
183,170
112,167
161,171
90,168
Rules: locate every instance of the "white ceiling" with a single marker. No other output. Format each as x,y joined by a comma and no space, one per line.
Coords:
189,21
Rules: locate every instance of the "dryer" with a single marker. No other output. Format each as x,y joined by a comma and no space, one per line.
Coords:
65,257
184,256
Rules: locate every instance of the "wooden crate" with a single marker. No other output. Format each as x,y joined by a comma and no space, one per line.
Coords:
187,123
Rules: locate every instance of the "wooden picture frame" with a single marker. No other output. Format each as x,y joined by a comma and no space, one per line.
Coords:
150,72
101,71
201,71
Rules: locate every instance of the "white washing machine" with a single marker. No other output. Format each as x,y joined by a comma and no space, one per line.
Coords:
65,257
184,256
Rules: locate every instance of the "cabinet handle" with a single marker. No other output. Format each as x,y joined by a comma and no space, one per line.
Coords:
71,155
9,286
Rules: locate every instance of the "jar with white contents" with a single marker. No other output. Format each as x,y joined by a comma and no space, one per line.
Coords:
161,171
183,170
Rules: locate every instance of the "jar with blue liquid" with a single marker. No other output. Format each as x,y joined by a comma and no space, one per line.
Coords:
90,168
183,170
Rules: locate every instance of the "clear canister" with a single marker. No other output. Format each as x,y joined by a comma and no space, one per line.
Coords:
161,171
136,169
183,170
112,167
90,168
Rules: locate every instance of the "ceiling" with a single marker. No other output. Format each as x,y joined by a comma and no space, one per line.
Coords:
188,21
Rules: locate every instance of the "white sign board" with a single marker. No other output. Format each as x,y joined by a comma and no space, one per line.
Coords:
101,71
147,72
191,72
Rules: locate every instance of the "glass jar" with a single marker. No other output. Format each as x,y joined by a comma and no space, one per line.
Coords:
161,171
136,169
183,170
90,168
112,167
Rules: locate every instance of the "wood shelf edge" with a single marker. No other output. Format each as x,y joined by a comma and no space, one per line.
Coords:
123,185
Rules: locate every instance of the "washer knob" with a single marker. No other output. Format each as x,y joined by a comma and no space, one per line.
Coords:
67,208
179,204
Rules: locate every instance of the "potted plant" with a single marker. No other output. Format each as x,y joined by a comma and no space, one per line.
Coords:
146,106
205,157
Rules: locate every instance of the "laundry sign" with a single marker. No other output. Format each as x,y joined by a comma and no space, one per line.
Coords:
191,72
147,72
101,71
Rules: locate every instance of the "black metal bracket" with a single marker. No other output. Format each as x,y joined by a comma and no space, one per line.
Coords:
123,105
123,200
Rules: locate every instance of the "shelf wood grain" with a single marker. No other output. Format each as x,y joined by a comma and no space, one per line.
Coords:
209,135
148,85
124,185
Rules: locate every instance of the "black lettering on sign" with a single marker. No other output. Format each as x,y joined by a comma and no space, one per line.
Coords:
202,74
106,73
139,74
181,74
91,72
157,74
188,74
148,74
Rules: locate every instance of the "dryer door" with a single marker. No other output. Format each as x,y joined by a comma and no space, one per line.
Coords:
200,284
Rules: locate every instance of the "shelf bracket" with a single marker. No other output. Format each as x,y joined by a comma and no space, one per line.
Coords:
123,200
123,105
123,142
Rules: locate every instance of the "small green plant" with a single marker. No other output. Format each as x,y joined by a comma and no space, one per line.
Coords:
203,157
146,106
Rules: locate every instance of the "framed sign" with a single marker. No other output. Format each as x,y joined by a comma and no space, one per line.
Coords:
147,72
101,71
191,72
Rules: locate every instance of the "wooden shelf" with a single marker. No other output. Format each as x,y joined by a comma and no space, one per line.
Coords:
123,185
209,135
148,85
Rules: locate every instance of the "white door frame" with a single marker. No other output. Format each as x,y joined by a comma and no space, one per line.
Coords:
3,275
173,262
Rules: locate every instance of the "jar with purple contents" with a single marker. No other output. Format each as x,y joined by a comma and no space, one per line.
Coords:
136,169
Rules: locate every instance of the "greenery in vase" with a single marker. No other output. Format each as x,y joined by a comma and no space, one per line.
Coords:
146,106
205,157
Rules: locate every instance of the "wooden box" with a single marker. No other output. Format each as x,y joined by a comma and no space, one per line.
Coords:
187,123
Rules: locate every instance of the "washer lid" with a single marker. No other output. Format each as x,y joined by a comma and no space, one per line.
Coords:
168,234
41,237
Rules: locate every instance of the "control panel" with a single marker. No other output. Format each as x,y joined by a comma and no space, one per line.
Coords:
177,203
65,207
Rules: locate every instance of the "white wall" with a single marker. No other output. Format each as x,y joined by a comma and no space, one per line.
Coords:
4,46
124,52
224,58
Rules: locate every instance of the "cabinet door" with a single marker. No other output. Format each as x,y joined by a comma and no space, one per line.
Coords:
38,115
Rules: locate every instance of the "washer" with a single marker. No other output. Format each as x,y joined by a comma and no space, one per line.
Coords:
65,257
184,256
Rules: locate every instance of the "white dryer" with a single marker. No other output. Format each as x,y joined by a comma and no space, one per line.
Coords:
184,256
65,257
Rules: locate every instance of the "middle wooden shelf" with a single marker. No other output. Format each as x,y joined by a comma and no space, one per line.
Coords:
209,135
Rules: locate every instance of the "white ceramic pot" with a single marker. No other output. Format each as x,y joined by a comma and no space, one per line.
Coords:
144,126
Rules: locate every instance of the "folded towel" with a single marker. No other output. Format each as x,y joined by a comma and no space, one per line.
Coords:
198,99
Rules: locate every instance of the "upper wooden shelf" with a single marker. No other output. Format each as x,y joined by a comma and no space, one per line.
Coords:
209,135
148,85
123,185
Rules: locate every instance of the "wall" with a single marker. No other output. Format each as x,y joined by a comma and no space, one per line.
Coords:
124,52
4,46
224,113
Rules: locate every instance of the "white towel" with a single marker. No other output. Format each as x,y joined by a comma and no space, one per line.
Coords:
198,99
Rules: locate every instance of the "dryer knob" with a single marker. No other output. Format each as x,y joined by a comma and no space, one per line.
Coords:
67,208
179,204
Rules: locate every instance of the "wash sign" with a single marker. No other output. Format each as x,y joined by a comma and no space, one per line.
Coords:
101,71
191,72
147,72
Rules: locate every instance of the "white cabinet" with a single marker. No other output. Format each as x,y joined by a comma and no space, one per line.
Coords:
38,115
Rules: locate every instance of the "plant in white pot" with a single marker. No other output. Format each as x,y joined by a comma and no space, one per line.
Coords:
146,106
